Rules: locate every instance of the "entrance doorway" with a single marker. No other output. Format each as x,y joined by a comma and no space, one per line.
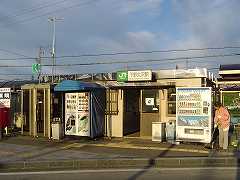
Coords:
40,111
131,116
25,112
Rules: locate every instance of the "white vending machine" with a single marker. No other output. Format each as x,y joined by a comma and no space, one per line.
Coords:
193,114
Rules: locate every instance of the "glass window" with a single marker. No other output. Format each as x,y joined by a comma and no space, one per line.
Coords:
171,101
112,102
150,100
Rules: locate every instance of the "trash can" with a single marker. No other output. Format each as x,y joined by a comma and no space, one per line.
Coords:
56,129
158,131
171,132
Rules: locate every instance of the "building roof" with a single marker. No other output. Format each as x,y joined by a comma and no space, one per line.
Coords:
16,84
229,71
225,67
70,85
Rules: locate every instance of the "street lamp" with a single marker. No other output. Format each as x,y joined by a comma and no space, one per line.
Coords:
53,20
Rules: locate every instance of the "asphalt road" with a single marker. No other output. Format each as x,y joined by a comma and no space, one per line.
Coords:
130,174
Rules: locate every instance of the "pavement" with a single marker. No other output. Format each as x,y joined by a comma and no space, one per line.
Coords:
25,153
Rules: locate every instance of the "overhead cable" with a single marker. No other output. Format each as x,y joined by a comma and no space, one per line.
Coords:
133,61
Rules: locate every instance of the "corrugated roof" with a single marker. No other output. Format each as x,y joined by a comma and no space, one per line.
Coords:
70,85
229,67
16,84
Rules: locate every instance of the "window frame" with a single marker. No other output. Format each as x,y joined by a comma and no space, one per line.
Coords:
171,101
112,102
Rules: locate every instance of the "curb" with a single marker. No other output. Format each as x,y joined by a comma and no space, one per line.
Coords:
121,163
123,146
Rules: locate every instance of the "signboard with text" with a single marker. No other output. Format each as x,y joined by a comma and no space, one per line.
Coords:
5,94
144,75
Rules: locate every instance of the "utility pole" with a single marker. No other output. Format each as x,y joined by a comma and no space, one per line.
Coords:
39,61
53,20
187,63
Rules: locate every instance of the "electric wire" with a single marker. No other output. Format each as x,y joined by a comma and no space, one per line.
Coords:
14,53
149,52
132,61
54,11
124,53
33,9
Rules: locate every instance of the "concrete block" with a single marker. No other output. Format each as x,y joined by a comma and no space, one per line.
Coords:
167,162
61,164
36,165
12,166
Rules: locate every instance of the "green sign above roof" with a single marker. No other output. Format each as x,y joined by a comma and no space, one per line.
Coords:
36,68
122,76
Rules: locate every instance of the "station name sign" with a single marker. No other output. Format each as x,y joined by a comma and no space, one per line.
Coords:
124,76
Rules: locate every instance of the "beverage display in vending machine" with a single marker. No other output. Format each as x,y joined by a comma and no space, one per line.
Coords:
77,114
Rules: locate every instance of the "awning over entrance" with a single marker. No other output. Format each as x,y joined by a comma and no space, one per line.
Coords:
70,85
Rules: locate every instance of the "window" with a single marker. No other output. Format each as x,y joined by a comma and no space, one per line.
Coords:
150,100
171,101
112,102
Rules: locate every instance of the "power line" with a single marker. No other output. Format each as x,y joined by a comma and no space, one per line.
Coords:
127,53
150,52
14,53
35,8
152,60
133,61
59,9
16,74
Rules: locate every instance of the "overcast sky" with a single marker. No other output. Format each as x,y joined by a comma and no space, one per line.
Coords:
116,26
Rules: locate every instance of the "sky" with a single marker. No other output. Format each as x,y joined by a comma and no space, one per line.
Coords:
98,36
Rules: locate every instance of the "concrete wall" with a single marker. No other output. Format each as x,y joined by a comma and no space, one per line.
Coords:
193,82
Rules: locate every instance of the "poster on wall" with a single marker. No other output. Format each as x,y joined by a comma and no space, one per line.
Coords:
5,94
77,114
231,100
193,114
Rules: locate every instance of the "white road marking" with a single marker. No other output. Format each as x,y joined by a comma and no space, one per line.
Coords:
116,170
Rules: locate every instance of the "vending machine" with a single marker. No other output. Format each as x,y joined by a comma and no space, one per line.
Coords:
77,114
193,114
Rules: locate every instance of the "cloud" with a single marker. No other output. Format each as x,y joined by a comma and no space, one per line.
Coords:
141,40
121,26
133,6
213,22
